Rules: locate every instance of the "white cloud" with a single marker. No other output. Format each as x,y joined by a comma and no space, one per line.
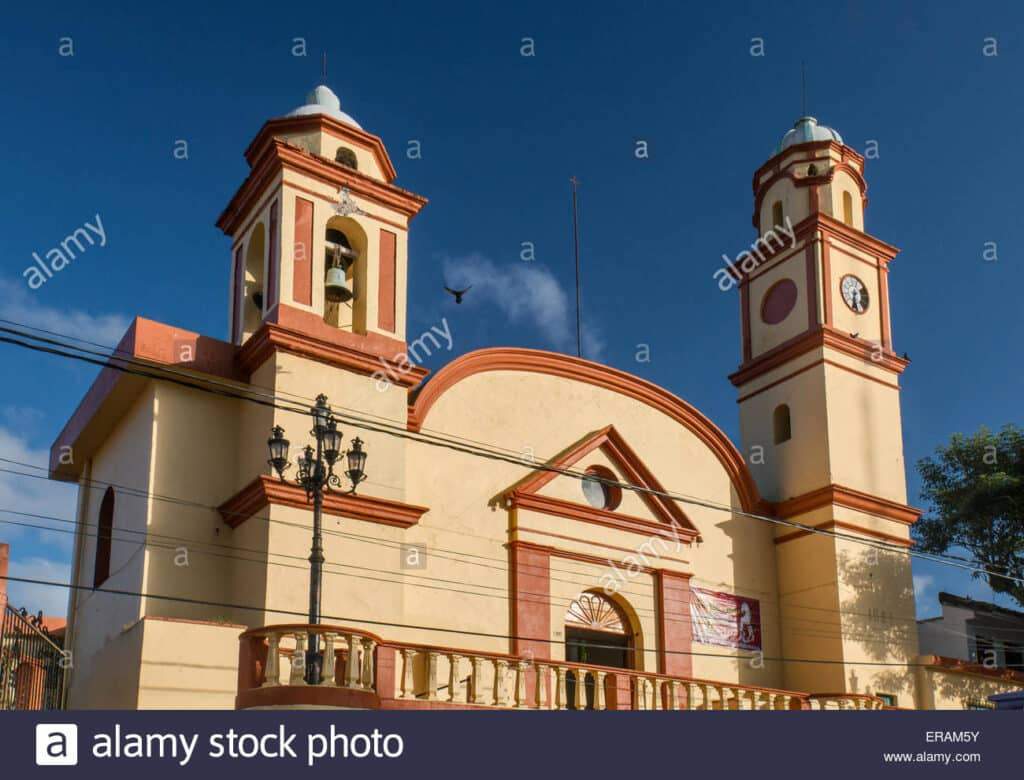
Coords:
924,587
527,294
51,600
32,494
19,304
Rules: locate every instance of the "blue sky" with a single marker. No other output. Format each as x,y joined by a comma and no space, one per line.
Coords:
500,134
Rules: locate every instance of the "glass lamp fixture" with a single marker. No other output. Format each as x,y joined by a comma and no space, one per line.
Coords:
332,443
321,414
356,463
278,446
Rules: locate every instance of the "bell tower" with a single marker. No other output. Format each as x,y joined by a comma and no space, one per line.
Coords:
319,230
317,294
819,401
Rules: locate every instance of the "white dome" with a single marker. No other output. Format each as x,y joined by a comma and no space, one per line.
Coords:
322,100
807,129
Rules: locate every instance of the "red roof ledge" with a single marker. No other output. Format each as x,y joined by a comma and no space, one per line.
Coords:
265,490
555,364
113,391
945,664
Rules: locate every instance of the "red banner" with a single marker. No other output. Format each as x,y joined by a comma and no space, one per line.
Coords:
725,620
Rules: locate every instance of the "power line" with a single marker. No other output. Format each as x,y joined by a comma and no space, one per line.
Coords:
465,632
682,498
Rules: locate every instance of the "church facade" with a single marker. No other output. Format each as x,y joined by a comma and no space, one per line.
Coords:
535,530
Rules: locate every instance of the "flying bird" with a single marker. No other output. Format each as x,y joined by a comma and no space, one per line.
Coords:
457,293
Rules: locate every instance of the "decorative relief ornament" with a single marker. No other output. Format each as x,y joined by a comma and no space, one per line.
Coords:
346,207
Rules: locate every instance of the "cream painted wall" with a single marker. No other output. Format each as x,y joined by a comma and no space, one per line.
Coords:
541,415
803,463
125,458
942,690
187,665
865,434
326,145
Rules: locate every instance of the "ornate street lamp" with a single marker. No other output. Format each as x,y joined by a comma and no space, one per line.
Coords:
315,474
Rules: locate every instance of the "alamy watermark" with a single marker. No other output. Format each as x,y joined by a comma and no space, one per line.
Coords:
748,260
60,256
417,351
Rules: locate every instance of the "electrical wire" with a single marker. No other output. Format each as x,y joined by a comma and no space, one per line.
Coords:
367,425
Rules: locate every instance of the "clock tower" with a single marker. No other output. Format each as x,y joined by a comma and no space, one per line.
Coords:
819,401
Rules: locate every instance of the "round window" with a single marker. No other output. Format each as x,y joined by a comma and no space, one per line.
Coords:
778,302
598,489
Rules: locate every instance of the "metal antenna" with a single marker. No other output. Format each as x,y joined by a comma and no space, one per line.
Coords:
576,249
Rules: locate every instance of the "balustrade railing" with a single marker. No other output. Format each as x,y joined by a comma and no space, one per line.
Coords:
355,660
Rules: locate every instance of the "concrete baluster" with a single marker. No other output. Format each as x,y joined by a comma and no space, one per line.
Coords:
297,675
369,676
327,671
500,670
408,656
454,683
272,674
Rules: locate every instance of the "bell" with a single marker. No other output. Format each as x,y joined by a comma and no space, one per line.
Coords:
340,256
336,287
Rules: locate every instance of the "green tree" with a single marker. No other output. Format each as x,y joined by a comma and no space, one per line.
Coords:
975,486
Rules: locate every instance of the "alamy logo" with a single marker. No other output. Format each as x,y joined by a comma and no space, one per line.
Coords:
56,744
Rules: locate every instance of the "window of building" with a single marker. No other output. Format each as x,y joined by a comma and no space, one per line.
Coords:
346,157
104,536
888,699
778,218
848,209
1014,658
599,490
780,424
985,651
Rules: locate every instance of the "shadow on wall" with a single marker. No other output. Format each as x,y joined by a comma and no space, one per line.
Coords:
750,538
878,614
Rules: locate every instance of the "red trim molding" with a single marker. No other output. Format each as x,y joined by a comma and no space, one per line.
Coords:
553,364
278,155
589,514
304,333
832,524
851,499
265,490
946,664
530,571
818,338
611,443
674,631
326,124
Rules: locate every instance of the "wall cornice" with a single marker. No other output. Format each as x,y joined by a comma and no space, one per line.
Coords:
266,490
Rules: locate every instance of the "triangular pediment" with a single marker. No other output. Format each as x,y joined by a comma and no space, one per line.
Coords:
606,456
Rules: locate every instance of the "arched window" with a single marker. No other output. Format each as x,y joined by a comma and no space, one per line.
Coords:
104,536
778,218
252,304
848,208
346,157
781,424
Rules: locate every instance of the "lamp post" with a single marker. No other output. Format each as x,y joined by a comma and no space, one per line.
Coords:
316,475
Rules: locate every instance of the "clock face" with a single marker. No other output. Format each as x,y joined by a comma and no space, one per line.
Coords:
855,294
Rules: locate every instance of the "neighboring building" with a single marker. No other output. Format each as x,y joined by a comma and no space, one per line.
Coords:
974,631
462,580
31,661
976,641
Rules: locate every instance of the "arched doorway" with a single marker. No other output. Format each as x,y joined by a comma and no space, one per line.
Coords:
597,632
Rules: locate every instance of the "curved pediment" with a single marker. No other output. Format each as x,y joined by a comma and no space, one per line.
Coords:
576,369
